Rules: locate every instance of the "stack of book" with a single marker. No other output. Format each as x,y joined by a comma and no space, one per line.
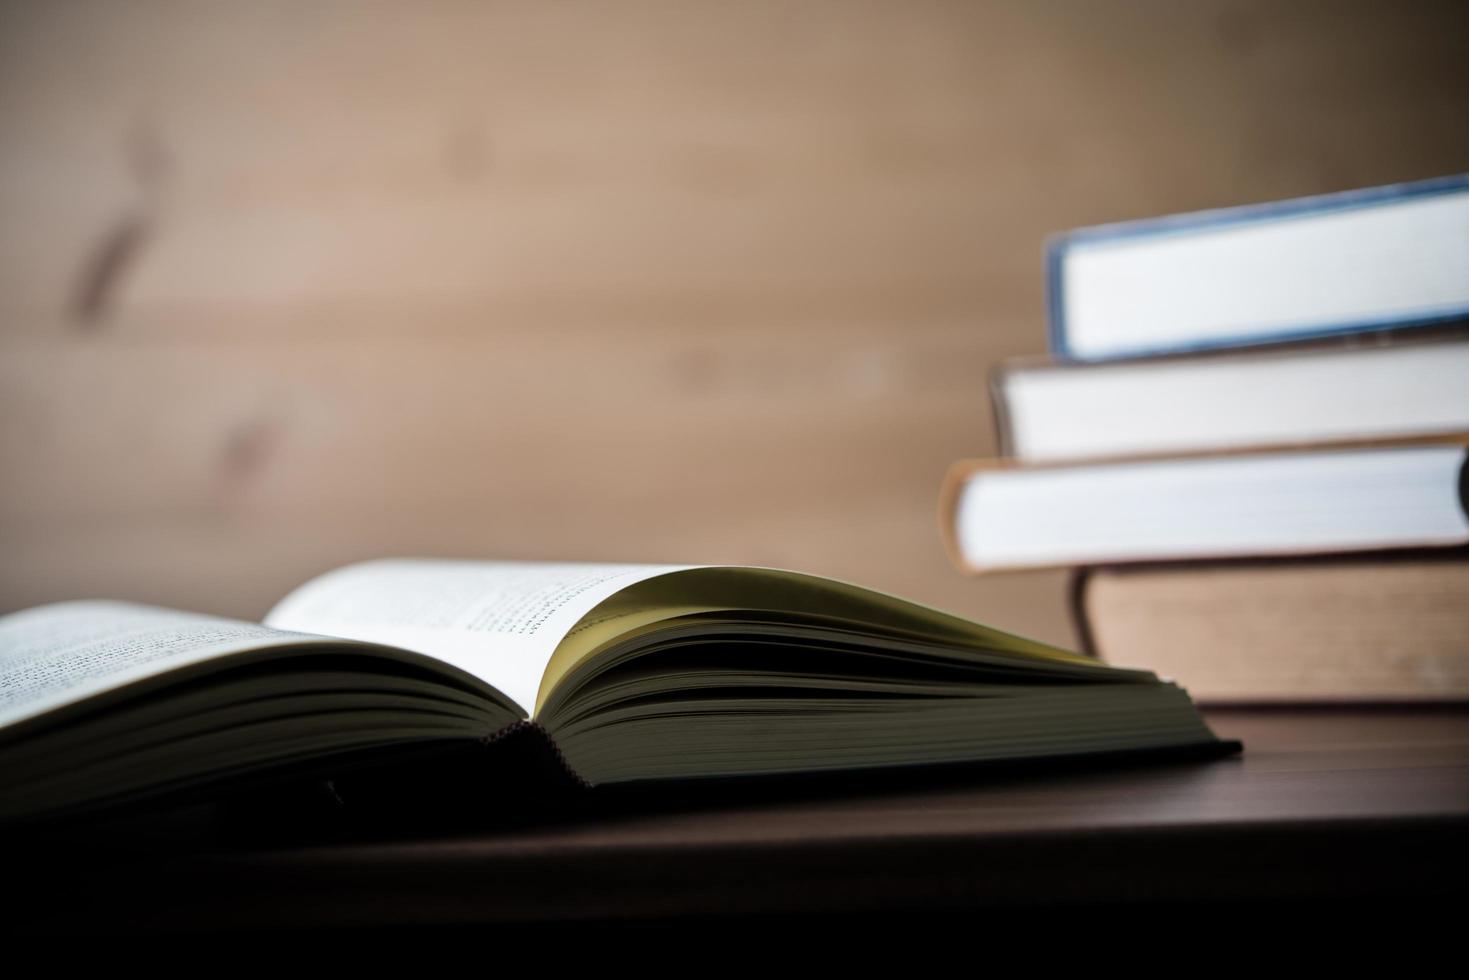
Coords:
1250,442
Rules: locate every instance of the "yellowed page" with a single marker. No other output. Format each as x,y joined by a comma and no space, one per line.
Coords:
707,589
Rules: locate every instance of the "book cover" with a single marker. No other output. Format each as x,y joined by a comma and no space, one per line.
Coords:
1354,262
1385,627
1336,497
1376,387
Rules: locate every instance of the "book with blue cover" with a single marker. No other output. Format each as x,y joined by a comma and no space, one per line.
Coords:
1384,258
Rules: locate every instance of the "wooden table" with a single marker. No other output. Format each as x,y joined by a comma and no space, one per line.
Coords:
1342,806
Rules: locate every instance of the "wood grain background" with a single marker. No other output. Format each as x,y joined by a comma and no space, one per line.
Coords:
284,285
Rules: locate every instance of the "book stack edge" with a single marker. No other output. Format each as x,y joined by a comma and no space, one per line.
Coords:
1251,442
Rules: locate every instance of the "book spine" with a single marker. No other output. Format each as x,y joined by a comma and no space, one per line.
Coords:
543,747
1059,247
1076,587
1464,486
1000,406
1055,277
948,508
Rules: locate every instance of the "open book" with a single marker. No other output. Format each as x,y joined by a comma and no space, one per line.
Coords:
633,672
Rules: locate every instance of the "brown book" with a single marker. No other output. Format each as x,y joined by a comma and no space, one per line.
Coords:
1360,628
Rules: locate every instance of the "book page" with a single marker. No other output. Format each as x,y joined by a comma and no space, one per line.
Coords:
499,621
59,654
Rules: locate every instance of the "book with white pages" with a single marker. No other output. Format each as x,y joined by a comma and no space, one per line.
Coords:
1383,387
1334,498
621,673
1353,262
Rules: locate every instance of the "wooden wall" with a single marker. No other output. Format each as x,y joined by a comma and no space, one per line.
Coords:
284,285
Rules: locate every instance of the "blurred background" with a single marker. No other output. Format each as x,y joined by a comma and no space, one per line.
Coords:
286,285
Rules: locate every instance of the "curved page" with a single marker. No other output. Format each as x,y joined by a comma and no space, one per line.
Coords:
60,654
497,620
704,590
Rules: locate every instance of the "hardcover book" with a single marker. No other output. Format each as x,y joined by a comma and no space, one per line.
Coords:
1348,263
995,514
1349,628
1412,384
629,672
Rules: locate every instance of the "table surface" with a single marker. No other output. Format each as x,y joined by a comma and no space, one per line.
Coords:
1323,803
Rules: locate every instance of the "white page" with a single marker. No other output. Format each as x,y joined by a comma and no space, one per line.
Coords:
499,621
59,654
1210,403
1277,503
1252,280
